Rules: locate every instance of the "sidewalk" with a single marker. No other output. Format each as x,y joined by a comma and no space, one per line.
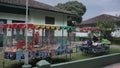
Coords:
117,65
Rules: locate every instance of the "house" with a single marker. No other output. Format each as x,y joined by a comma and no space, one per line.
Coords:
92,22
12,11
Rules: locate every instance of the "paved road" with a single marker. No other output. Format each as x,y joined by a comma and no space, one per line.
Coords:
117,65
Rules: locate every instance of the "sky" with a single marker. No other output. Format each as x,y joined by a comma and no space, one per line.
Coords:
94,7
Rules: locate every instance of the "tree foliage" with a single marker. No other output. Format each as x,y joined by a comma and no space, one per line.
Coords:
75,7
105,24
107,27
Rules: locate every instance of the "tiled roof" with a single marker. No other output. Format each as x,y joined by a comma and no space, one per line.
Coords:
35,4
100,17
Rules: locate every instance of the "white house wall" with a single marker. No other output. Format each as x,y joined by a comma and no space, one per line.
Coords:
116,33
37,17
81,34
9,17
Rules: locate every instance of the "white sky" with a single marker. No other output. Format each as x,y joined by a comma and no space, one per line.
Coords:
94,7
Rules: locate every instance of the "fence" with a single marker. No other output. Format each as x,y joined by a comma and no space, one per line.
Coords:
96,62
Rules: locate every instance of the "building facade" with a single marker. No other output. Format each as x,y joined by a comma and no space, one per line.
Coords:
13,11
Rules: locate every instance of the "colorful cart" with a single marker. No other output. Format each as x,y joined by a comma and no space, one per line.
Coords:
93,48
36,49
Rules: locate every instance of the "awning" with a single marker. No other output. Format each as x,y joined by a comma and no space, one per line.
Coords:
55,27
70,28
63,27
14,25
6,26
22,25
42,26
36,26
47,26
90,28
67,27
31,26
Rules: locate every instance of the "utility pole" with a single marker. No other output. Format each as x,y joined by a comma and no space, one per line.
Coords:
26,64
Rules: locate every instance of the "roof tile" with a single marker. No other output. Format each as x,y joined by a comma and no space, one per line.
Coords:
35,4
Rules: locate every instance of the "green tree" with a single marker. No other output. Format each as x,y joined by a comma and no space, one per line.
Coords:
76,8
107,27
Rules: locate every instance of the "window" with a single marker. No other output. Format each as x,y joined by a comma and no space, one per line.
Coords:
49,20
2,31
2,21
18,33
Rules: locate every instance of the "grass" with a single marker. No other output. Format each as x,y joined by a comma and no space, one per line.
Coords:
55,59
113,50
118,44
116,41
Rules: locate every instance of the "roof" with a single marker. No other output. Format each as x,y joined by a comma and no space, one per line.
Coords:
93,20
34,4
